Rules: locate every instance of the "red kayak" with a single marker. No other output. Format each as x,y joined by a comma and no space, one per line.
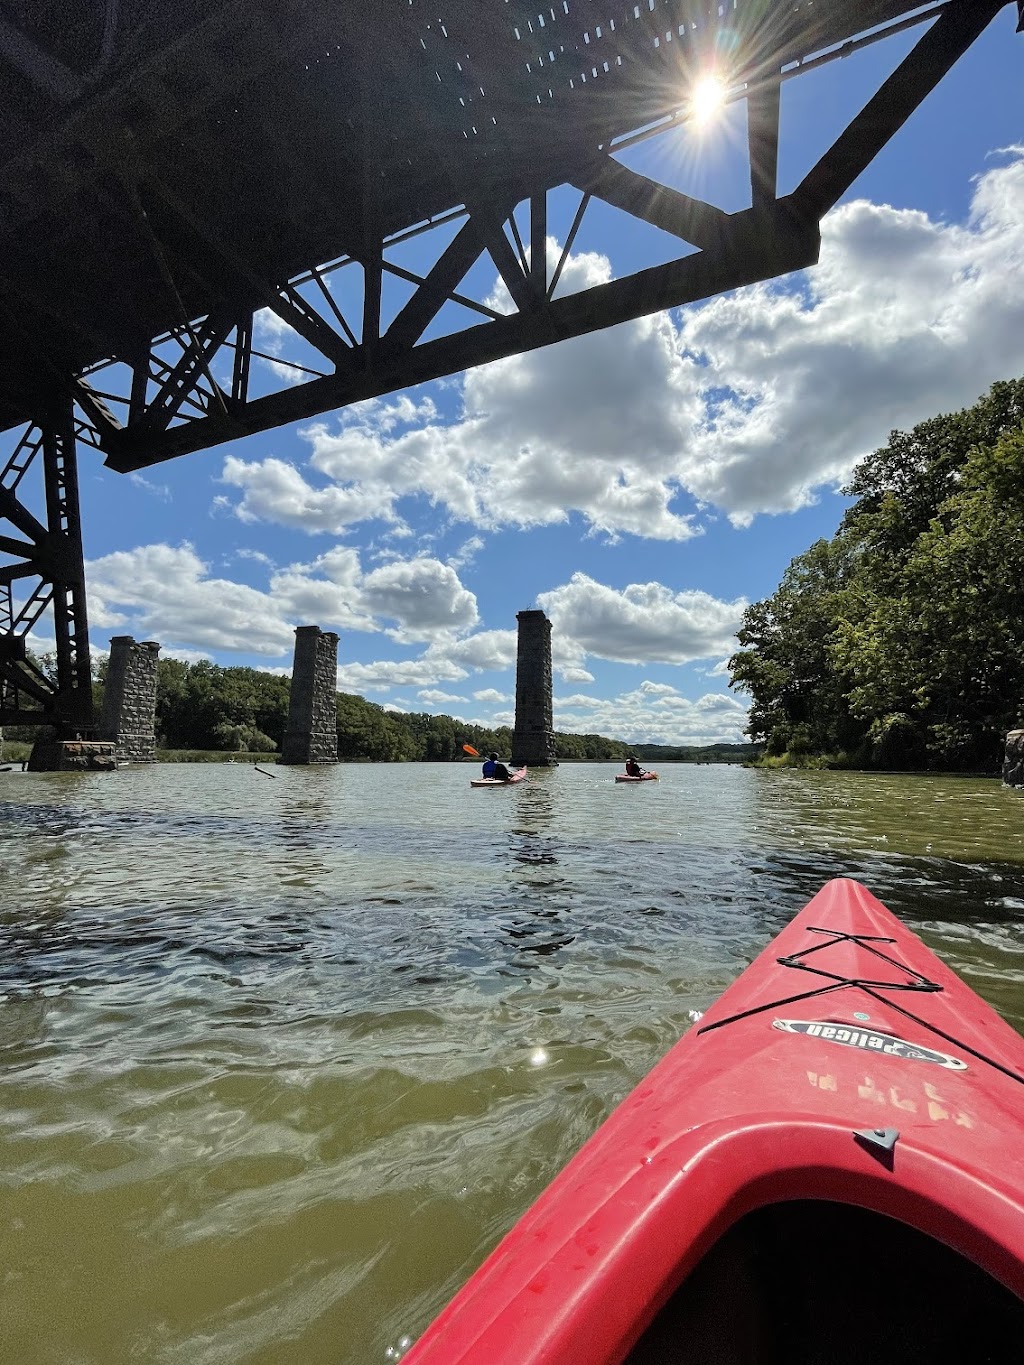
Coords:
644,777
828,1168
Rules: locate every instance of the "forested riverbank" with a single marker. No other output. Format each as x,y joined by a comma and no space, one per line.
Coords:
205,711
897,643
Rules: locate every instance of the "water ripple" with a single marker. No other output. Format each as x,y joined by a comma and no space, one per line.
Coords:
280,1061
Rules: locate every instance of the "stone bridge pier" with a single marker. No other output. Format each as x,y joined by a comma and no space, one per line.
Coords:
533,741
129,699
1013,759
312,732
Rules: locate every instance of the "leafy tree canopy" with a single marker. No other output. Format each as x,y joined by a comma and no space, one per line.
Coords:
897,643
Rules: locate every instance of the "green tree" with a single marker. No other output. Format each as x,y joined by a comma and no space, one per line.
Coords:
203,706
900,487
784,665
896,640
951,641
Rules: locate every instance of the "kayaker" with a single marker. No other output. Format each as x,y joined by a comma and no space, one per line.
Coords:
492,768
633,768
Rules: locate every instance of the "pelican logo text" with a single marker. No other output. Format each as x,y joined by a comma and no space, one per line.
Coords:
869,1041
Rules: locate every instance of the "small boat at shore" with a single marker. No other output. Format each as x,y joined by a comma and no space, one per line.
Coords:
827,1169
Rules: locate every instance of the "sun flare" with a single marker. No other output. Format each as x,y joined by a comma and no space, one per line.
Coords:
707,100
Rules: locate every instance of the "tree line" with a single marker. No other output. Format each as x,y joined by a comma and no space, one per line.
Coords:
205,707
897,643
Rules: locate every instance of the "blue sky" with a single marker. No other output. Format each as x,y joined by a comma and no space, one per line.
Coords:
641,485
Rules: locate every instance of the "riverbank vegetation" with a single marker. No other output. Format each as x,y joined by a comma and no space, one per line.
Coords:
897,643
202,706
208,713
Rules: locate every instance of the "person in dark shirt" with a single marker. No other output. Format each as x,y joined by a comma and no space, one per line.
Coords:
492,768
633,768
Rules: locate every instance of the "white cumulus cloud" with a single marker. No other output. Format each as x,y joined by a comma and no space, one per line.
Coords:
654,714
165,593
904,317
644,623
168,593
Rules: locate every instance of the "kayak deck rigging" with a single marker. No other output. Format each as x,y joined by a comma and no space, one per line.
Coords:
918,983
837,981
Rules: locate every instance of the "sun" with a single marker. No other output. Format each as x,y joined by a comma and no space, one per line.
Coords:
707,99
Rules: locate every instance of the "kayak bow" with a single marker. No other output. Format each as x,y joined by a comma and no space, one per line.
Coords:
829,1168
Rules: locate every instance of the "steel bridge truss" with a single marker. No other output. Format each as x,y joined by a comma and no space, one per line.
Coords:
45,575
193,387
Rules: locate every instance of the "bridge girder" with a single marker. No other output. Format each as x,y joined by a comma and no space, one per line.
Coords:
44,573
176,197
187,409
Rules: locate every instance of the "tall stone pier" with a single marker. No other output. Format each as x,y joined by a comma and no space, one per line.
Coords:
1013,759
129,699
312,733
533,741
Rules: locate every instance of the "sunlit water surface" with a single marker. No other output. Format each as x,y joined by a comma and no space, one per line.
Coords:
281,1058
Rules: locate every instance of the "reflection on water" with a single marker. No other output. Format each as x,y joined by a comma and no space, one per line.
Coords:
281,1059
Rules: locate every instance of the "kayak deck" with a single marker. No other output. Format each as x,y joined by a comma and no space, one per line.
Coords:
841,1134
645,777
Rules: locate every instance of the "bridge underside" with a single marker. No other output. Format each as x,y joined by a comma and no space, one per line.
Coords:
180,175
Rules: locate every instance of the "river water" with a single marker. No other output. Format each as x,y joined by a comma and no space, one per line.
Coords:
282,1057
